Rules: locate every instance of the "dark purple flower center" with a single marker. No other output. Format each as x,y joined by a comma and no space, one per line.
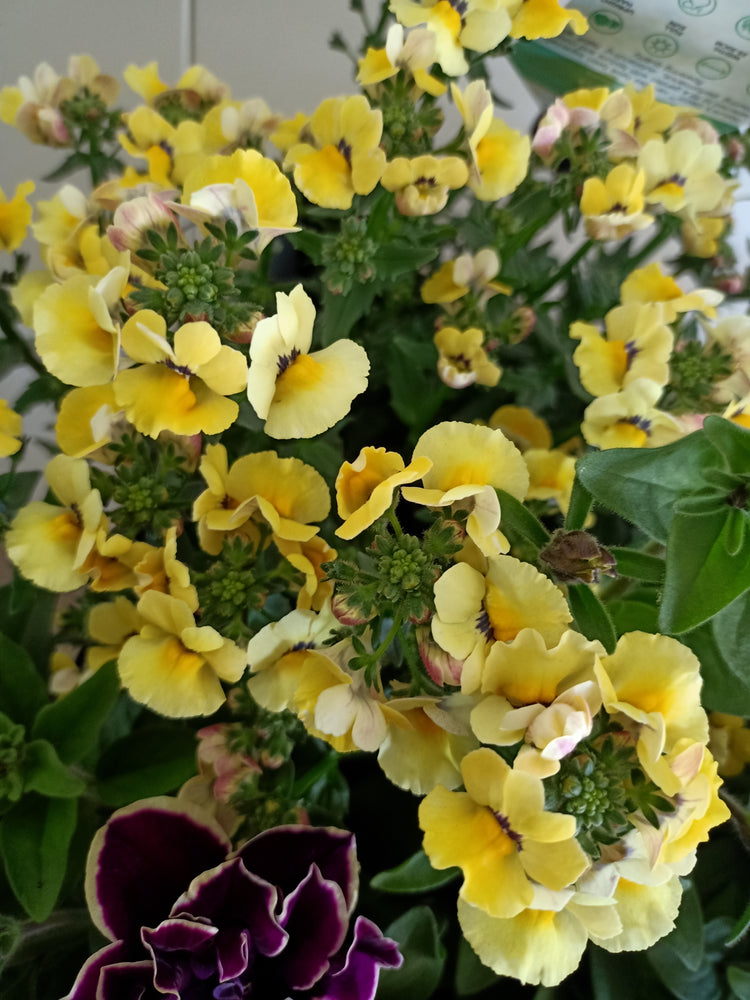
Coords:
345,149
509,831
180,369
286,359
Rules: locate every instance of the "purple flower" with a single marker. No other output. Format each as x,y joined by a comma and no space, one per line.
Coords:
190,921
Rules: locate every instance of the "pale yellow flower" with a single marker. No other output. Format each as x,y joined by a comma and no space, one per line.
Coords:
681,173
297,393
614,207
415,54
365,487
522,426
629,419
467,272
15,216
461,359
422,184
88,420
174,666
49,544
551,475
342,156
651,284
10,430
544,19
478,25
729,742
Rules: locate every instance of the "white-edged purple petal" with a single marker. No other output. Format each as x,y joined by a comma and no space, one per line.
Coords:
129,981
143,858
316,920
87,980
181,951
283,856
357,979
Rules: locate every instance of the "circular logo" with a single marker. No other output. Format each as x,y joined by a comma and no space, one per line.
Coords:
713,68
660,46
697,8
606,22
743,28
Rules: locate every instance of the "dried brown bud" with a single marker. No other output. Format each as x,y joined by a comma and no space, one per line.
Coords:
577,557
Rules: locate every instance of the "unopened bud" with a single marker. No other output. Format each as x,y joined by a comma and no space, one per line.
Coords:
577,557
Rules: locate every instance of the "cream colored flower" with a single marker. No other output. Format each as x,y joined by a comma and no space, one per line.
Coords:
422,184
365,487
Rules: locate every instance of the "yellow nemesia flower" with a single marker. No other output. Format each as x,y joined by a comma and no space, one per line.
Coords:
308,558
522,426
15,216
365,487
413,54
109,625
551,475
10,430
468,463
500,835
173,666
86,420
613,207
283,492
467,272
342,156
629,419
297,393
475,611
49,544
700,236
76,336
681,173
247,187
422,184
182,388
500,155
461,359
544,19
637,344
729,742
478,25
651,284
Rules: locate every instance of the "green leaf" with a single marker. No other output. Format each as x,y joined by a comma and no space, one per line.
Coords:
418,938
579,507
731,439
72,724
68,166
471,975
633,616
518,520
702,576
416,874
149,761
400,257
731,627
34,839
341,312
592,618
739,979
44,772
724,688
740,928
638,565
643,484
686,940
416,394
22,690
16,488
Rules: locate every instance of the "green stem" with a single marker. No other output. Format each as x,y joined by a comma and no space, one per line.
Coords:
37,940
8,327
564,271
321,770
666,230
394,522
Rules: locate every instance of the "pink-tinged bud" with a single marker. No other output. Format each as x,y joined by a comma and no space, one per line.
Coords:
730,284
735,150
442,668
133,218
524,321
346,612
577,557
243,334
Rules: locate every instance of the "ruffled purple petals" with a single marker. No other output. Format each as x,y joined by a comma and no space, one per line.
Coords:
182,951
85,986
283,856
316,920
129,981
142,860
231,896
368,953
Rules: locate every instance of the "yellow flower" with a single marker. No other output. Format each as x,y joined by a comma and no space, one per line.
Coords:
522,426
247,187
468,463
499,834
147,83
422,183
638,344
414,55
365,487
308,558
634,117
544,19
681,173
181,388
475,611
456,278
173,666
650,284
299,394
700,236
15,216
343,155
283,492
653,683
170,151
629,419
499,154
33,107
478,25
10,430
613,207
729,742
160,569
86,420
49,544
76,336
551,475
109,625
647,912
461,359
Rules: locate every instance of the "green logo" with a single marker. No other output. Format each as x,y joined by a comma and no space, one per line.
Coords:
660,46
743,28
606,22
697,8
713,68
